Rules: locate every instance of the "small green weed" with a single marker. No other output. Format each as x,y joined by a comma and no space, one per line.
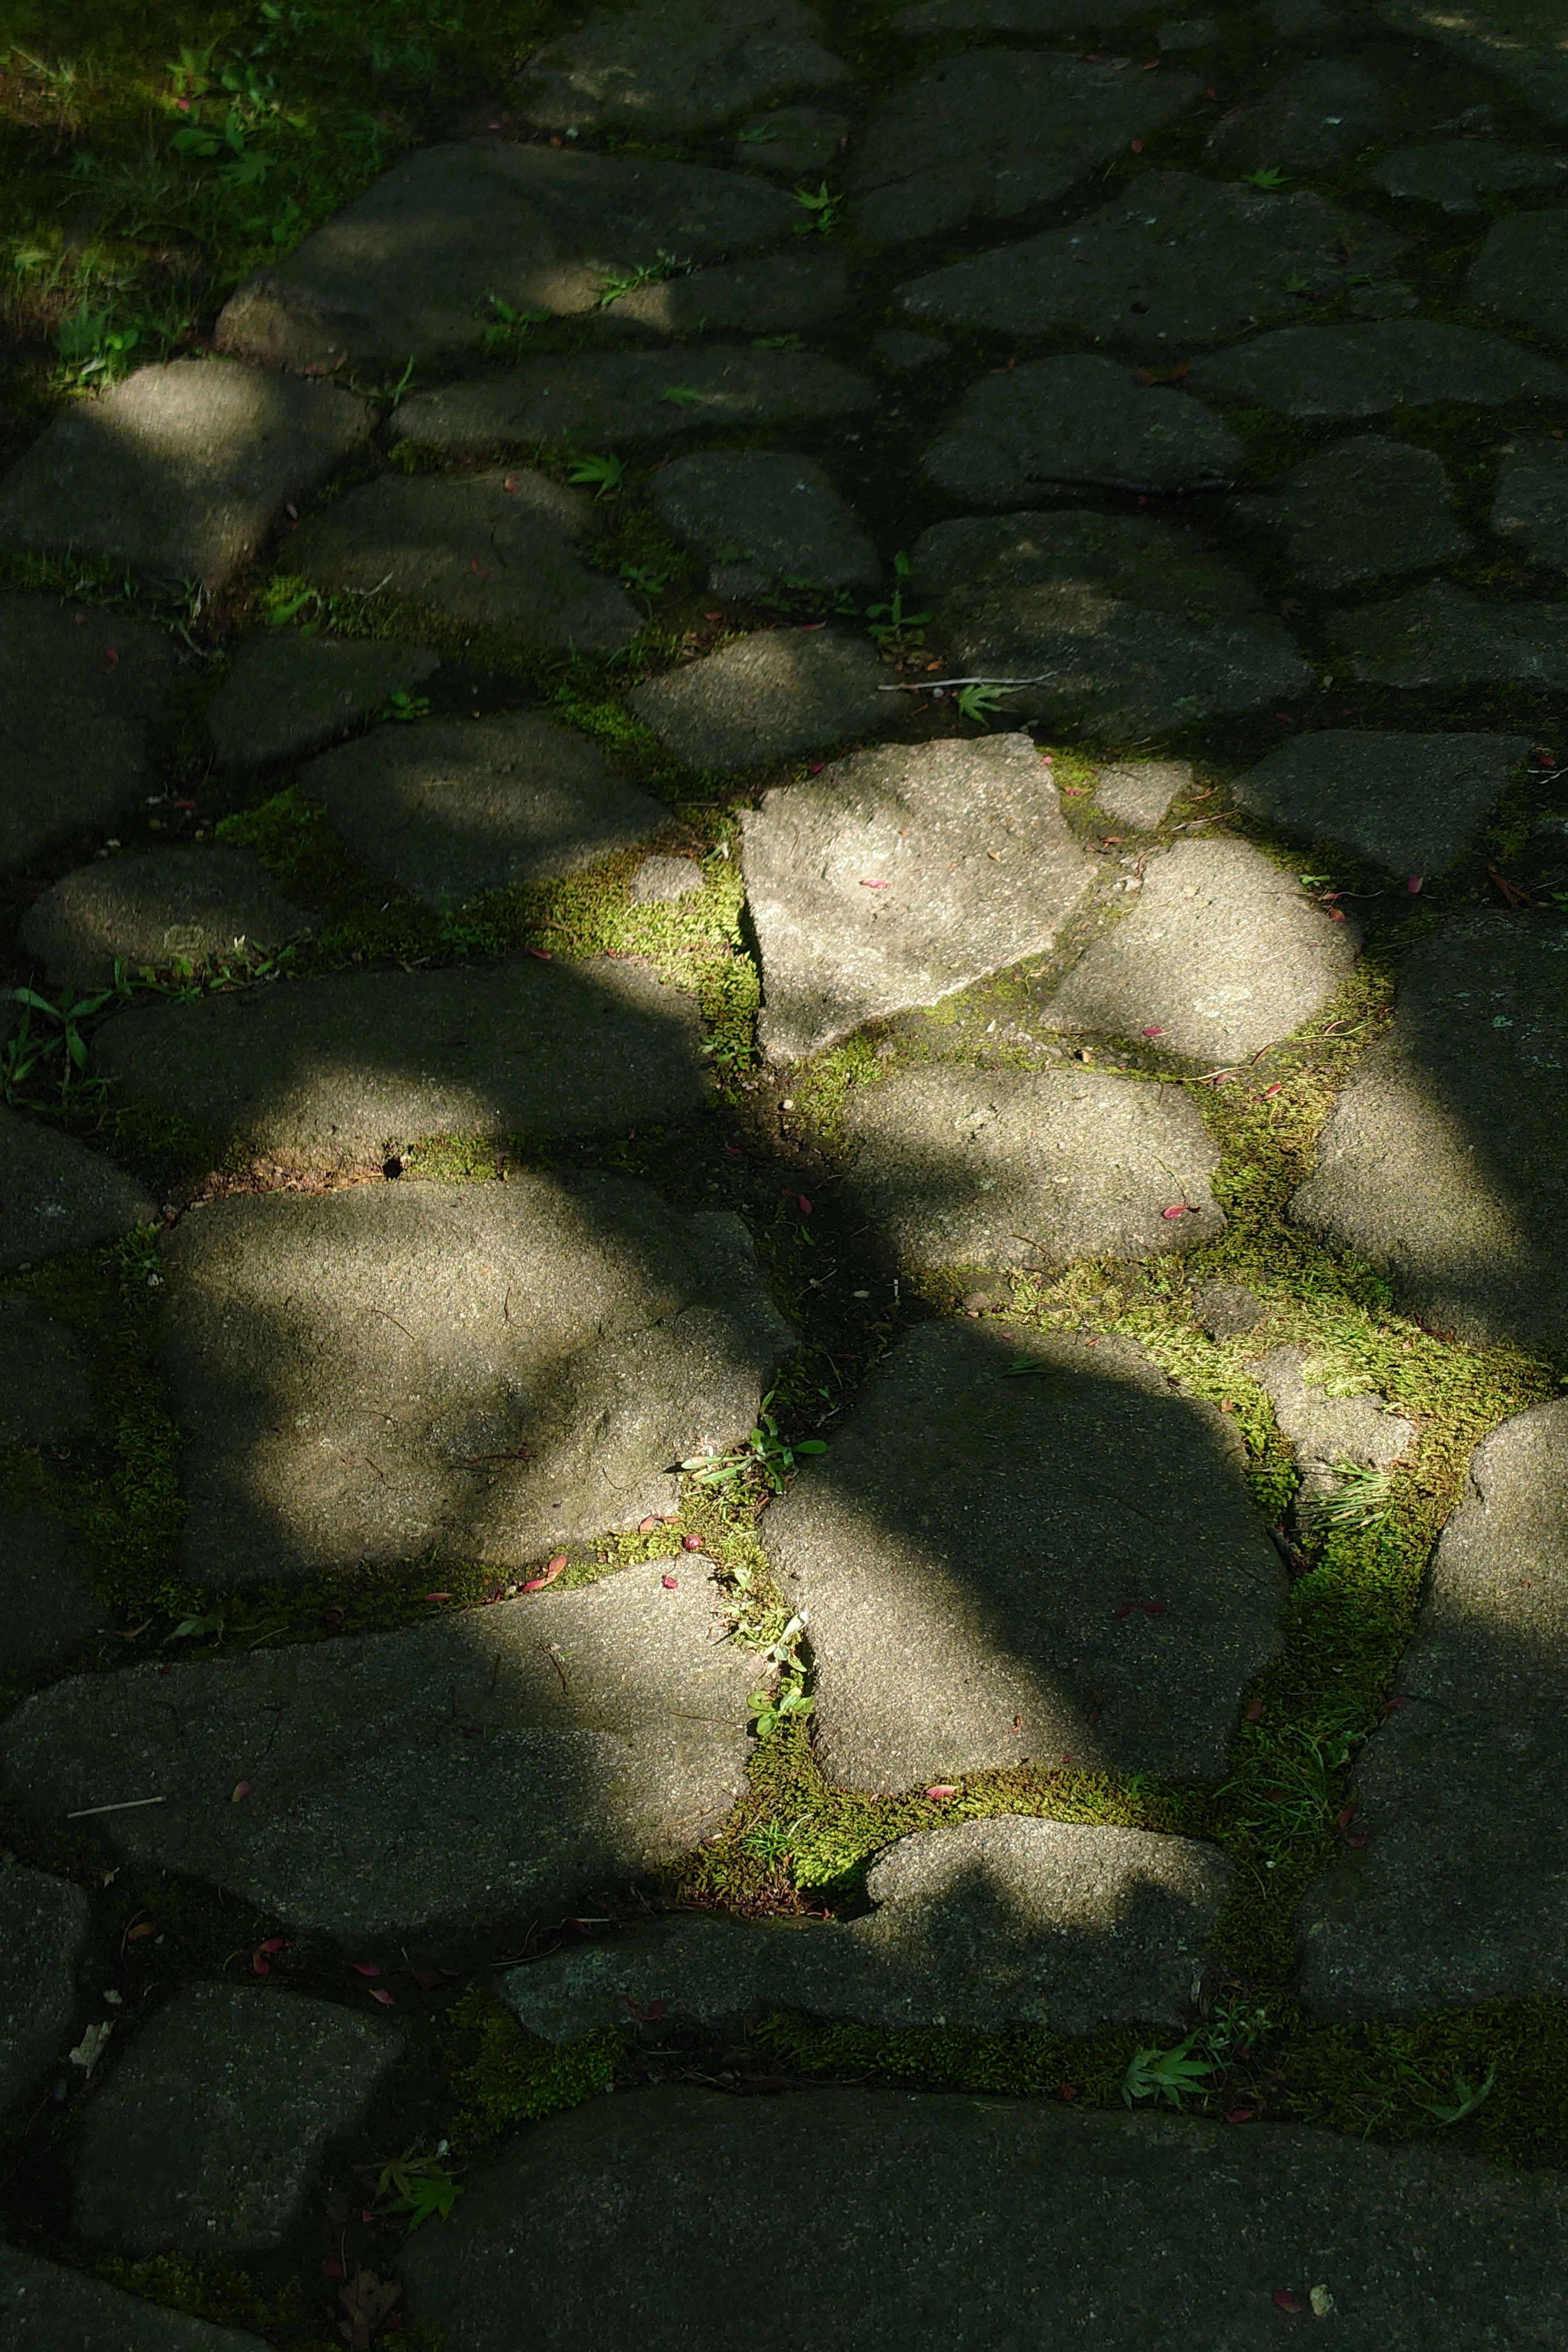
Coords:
1462,2099
652,273
1167,2076
46,1069
1268,177
765,1454
404,707
889,624
980,703
822,208
507,329
606,474
420,2186
1361,1500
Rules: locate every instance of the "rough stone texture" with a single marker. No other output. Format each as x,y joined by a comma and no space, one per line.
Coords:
187,905
488,1368
75,741
1222,952
1225,1311
1445,1160
1519,271
326,1073
1439,635
43,1925
1079,420
989,133
1203,262
284,693
661,881
1015,15
903,350
207,2136
664,67
778,691
986,1923
791,140
1362,371
1521,40
44,1397
1455,173
755,297
979,870
1139,791
1410,803
1189,33
1312,125
56,1195
44,2307
47,1600
1531,506
1299,18
1005,1167
483,552
974,1549
596,397
504,1760
1460,1894
414,267
763,517
181,471
1325,1430
1361,510
452,808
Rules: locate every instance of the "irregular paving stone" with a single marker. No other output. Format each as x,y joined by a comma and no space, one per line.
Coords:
1221,952
416,266
763,517
1455,173
326,1073
44,2307
661,881
45,1398
1326,1431
1139,791
1531,504
55,1194
1439,635
1226,1310
284,693
456,807
1390,297
668,66
49,1603
792,139
1174,261
1458,1894
181,471
208,2136
492,549
790,289
1445,1159
1295,17
43,1925
898,876
1189,33
1081,421
1310,126
631,397
1522,40
1519,268
1014,16
1359,510
777,691
993,1922
901,349
1006,1168
193,905
974,1551
1362,370
1411,802
499,1760
73,720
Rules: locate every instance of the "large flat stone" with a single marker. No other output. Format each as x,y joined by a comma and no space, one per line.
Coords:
46,1397
1441,635
485,1369
1454,173
1015,15
191,905
44,1926
763,517
1326,1431
1520,40
754,297
1366,369
773,693
48,1601
664,67
181,471
595,397
498,1762
791,140
1411,802
1531,504
77,687
976,1548
284,694
1361,510
1519,271
1444,1161
1312,125
1078,421
896,877
44,2306
56,1195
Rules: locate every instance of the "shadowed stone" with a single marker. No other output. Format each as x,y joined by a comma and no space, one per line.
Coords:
1221,952
1444,1161
763,517
790,139
600,396
1189,33
494,1762
777,691
285,693
1079,421
44,1926
44,2306
1013,1168
1327,1430
790,289
1359,510
1411,802
1299,18
195,905
1139,791
55,1194
903,350
73,722
1531,506
1312,125
1521,40
667,65
1455,173
975,1551
208,2136
1363,371
1439,635
1015,15
181,471
48,1602
44,1397
325,1073
898,876
661,881
1225,1311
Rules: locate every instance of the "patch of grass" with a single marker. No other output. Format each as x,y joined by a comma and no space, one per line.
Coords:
503,2076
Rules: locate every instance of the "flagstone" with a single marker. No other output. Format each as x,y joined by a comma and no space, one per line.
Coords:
1518,40
45,1396
670,66
284,693
1079,422
79,688
193,905
1531,503
1309,126
763,518
49,1602
766,696
55,1194
44,1928
1408,802
1361,510
1441,635
1454,173
1364,371
45,2305
1518,269
790,289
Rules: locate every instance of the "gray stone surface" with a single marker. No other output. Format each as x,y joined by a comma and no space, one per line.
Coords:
664,67
44,1927
592,398
325,1073
1015,15
181,471
1327,1429
44,2307
1026,1168
1363,371
898,876
1444,1161
1361,510
500,1760
1519,269
45,1395
661,881
1441,635
775,692
763,517
191,905
48,1601
791,140
208,2136
1174,261
975,1548
1225,1311
1455,173
75,745
754,297
284,694
452,808
1139,791
903,350
1531,504
1411,802
56,1195
1221,952
414,267
1077,421
1312,125
493,549
1299,18
1521,40
1189,33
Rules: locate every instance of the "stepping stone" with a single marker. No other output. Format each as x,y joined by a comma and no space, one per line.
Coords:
1190,33
764,517
1518,270
1221,953
975,1552
454,808
1225,1311
1297,18
1312,125
43,1927
596,397
1410,803
193,905
499,1761
1362,371
181,471
1174,261
49,1603
1531,507
45,1397
995,1922
331,1072
771,694
1521,40
1016,1168
285,694
665,66
790,289
1079,420
56,1195
991,133
1359,510
415,266
1326,1431
78,697
1439,635
1458,1894
662,881
1454,173
791,140
1444,1161
1015,15
898,876
207,2139
1139,791
490,548
1128,626
45,2305
903,350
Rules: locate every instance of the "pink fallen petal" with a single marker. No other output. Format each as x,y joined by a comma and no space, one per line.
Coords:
873,885
241,1790
1179,1209
364,1967
1154,1033
332,2270
691,1543
274,1943
941,1792
437,1596
109,656
544,954
380,1993
670,1583
552,1568
259,1966
1137,146
804,1204
1414,883
1240,2114
1254,1710
1286,2300
1069,2090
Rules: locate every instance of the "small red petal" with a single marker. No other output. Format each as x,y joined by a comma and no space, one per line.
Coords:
332,2270
1154,1033
712,616
1152,1608
873,885
542,953
1211,93
1414,883
1344,1818
274,1943
941,1792
1125,1609
804,1204
366,1968
817,766
670,1583
509,483
380,1993
1178,1210
1286,2300
691,1543
1392,1707
1254,1710
1271,1090
1069,2090
734,1151
109,656
241,1790
1335,916
1137,146
259,1966
1240,2114
437,1596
